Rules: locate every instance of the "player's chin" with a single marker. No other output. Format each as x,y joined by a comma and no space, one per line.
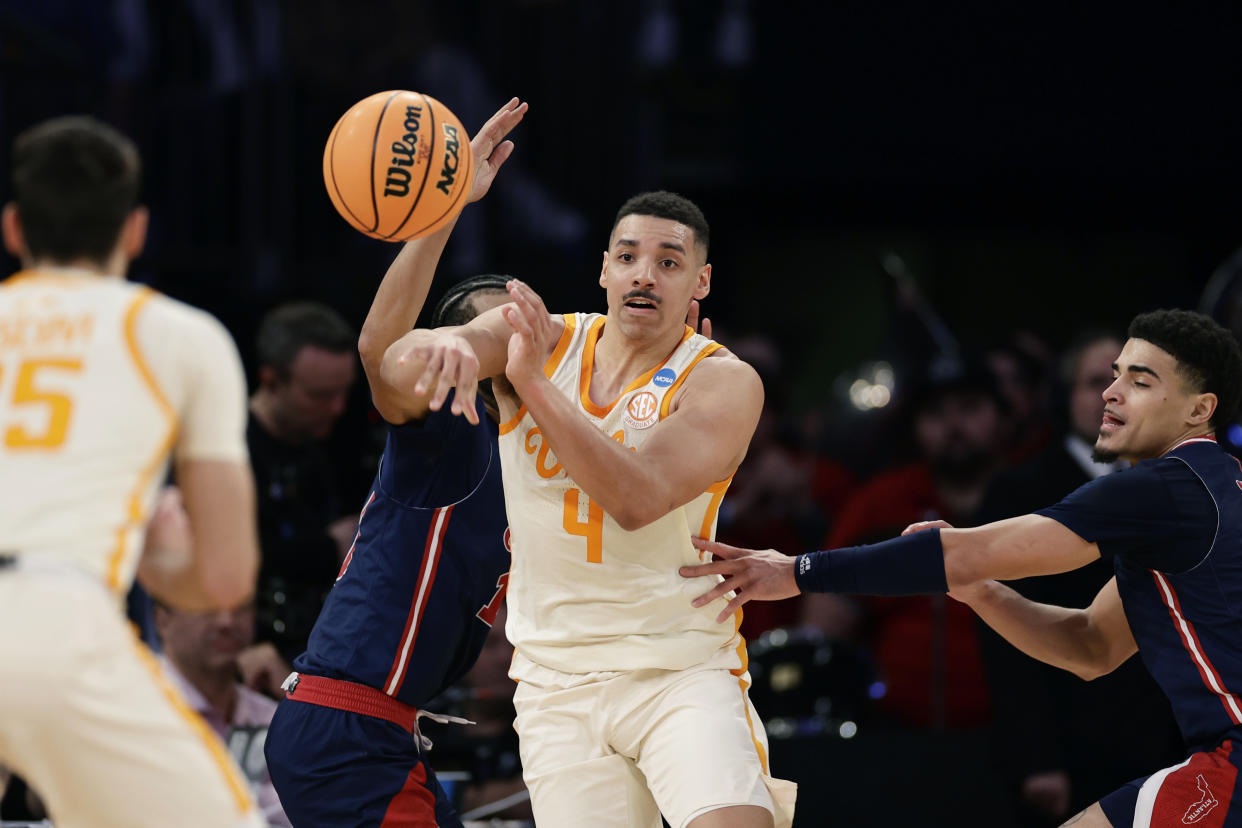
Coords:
644,327
1107,448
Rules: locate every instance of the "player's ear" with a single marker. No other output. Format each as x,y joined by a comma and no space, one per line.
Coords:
134,232
11,225
1203,409
603,271
704,284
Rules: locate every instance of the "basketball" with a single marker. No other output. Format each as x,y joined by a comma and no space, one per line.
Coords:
397,165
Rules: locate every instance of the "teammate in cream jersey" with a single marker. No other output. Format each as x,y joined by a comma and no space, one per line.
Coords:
102,383
104,379
631,613
619,435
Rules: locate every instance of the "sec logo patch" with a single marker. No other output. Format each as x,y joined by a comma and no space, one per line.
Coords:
642,411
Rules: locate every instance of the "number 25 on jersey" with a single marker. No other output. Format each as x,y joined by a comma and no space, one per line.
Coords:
34,414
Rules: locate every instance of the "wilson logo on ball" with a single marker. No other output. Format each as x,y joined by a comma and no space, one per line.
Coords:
398,181
398,165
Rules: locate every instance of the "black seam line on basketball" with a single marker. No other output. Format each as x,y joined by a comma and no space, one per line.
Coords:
460,193
431,116
332,168
379,123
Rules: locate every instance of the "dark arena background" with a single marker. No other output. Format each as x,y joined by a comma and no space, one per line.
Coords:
892,187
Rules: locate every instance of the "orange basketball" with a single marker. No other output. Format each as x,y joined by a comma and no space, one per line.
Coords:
398,165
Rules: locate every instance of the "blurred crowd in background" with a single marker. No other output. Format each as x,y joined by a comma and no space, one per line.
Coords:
931,229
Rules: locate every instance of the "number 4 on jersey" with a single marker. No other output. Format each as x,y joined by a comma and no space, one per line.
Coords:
592,529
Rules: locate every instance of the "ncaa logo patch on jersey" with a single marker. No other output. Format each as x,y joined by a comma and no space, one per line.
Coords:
642,411
664,378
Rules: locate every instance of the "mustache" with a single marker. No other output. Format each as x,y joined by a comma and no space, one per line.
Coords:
641,294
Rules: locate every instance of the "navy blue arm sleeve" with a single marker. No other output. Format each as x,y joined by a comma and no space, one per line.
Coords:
907,565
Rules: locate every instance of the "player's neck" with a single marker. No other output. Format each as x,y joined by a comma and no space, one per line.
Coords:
619,359
1201,432
113,267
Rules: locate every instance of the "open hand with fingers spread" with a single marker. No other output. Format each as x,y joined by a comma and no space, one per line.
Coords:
489,147
759,574
533,334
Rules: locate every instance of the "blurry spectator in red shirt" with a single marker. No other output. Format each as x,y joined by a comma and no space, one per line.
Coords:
926,647
784,492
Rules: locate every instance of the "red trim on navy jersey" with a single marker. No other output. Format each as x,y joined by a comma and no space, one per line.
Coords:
1190,640
414,806
1206,438
349,556
422,594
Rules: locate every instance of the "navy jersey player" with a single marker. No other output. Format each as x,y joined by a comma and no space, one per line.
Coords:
421,584
1172,524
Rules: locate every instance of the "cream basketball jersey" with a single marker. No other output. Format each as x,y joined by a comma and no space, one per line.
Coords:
585,594
101,380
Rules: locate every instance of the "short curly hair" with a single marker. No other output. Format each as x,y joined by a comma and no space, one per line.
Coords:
1208,355
666,205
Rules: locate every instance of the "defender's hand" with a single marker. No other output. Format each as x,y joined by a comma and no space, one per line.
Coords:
449,361
490,149
692,319
924,525
533,333
752,574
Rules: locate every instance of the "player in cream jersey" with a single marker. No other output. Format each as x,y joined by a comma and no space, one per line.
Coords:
620,434
565,615
101,383
101,380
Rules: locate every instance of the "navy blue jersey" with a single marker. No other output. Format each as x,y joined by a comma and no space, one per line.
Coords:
427,571
1173,526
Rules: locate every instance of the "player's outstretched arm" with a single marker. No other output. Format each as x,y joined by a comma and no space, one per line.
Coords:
700,443
424,364
1089,642
403,291
927,558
